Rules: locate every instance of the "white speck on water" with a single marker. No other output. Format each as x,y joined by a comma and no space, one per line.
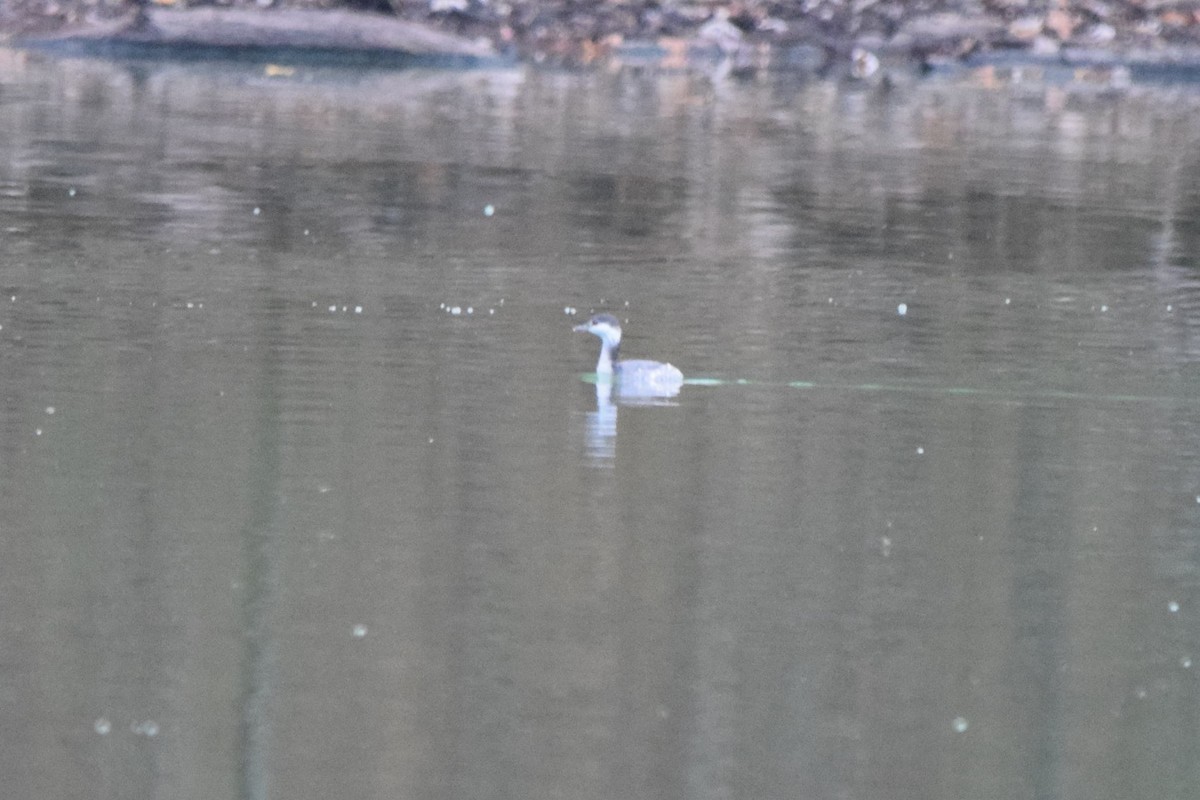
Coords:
71,192
314,304
1008,301
470,310
570,311
488,210
147,728
50,410
191,304
491,311
257,211
456,310
1169,308
902,309
360,631
199,305
1173,607
37,431
885,546
358,309
1186,662
627,304
306,231
332,309
322,488
960,724
431,440
102,726
920,451
1140,693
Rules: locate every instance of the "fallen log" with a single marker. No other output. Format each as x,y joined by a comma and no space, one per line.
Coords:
304,35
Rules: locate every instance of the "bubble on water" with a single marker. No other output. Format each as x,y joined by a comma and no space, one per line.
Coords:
37,431
470,310
491,311
1008,301
147,728
1169,308
1186,662
71,192
358,309
257,211
456,310
360,631
1103,309
488,210
1173,607
102,726
50,410
570,311
191,304
960,724
902,309
332,309
920,451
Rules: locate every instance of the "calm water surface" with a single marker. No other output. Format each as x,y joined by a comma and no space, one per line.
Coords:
275,523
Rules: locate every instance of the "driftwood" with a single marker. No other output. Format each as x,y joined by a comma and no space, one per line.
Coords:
245,32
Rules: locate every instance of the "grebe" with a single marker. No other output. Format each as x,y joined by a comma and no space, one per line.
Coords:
633,376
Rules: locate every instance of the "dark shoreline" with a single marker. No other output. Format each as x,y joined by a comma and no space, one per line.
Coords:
820,36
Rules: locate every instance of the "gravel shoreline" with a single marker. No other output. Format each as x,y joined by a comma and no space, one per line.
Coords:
751,34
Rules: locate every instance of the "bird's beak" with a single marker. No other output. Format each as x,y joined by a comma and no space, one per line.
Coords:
582,327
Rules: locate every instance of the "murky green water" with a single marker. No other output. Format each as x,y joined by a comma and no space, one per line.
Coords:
275,523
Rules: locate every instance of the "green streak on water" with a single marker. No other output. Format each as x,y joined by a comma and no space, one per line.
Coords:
998,395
